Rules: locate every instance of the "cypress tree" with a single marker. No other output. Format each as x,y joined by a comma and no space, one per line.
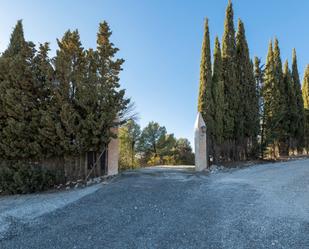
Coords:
20,97
230,82
44,78
252,117
205,101
87,101
259,83
269,92
290,111
69,72
247,119
300,115
280,125
305,88
218,97
305,93
110,96
242,75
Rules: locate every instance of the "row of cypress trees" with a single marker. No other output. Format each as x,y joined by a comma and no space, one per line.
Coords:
62,106
250,110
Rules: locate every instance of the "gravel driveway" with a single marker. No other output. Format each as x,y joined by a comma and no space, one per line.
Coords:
263,206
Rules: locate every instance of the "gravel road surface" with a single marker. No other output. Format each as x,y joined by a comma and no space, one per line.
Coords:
263,206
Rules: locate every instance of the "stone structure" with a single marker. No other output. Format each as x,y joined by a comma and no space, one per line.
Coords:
201,162
113,155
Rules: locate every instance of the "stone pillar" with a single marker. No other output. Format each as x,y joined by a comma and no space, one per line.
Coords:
201,162
113,155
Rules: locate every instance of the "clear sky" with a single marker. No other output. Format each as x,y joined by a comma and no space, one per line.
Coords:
161,42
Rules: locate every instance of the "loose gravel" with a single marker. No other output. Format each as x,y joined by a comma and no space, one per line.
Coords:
263,206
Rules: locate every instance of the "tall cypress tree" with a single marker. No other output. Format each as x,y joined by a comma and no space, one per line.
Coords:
280,124
300,114
305,88
247,119
305,93
218,97
20,95
69,72
110,96
290,112
205,101
259,83
229,78
44,78
242,75
269,92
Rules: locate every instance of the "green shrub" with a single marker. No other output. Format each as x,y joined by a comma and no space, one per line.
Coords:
22,178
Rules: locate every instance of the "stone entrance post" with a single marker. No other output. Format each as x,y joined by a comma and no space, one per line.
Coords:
201,162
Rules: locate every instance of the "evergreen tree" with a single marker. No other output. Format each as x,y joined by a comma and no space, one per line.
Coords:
230,82
151,138
305,88
20,95
259,82
69,72
242,75
111,101
290,112
279,112
183,152
269,92
305,93
247,118
44,78
129,135
218,99
300,115
205,101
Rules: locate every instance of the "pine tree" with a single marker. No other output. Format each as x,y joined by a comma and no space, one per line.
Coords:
20,96
300,113
230,82
205,101
218,97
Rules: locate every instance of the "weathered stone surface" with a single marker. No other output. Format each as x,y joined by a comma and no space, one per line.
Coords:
201,162
113,155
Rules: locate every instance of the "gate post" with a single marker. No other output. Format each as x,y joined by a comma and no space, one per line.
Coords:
200,137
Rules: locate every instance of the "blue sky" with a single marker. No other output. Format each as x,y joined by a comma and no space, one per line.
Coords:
161,42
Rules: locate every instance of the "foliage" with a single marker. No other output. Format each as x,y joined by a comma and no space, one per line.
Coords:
18,177
218,99
152,146
247,106
129,135
58,107
229,76
205,99
305,93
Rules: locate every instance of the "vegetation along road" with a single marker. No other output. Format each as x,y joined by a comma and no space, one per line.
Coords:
262,206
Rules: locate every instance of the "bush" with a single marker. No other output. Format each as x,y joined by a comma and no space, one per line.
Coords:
22,178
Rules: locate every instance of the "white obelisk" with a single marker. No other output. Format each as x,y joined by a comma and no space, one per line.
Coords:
201,162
